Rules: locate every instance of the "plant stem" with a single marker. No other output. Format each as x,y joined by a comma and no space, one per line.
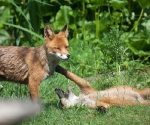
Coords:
97,22
83,20
117,69
135,27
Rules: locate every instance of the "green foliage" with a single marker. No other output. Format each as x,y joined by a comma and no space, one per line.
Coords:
62,16
107,37
140,44
83,56
90,21
144,3
34,17
4,14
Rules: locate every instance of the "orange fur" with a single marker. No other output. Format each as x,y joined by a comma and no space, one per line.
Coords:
33,65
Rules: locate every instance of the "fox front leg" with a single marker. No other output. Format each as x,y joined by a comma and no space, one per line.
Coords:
34,90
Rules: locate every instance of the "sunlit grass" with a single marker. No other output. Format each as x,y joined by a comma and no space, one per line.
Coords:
54,115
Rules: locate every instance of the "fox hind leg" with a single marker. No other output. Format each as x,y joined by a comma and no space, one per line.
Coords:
146,93
102,107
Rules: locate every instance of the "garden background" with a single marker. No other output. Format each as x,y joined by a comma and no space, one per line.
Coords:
109,45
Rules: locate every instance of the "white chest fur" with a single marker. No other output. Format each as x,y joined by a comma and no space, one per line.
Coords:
49,64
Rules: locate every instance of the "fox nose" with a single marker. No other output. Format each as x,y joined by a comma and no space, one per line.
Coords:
68,55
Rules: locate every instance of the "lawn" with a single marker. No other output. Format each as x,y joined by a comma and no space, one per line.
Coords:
52,114
109,46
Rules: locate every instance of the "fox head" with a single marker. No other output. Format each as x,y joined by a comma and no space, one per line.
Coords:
57,44
67,99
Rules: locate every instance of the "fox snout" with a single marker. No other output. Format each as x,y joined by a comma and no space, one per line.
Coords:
68,55
62,56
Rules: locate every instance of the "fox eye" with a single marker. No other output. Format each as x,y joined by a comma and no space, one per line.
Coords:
67,47
57,48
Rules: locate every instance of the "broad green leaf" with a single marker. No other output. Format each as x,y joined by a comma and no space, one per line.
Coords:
74,13
55,1
104,21
94,4
4,37
118,4
140,44
46,10
98,2
138,52
147,28
18,41
4,15
144,3
72,26
62,17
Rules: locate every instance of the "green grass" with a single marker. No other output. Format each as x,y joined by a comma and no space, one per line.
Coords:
54,115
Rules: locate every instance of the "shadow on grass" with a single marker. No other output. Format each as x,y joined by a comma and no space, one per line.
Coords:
51,105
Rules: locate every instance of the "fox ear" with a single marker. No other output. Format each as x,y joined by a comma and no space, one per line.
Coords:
48,32
70,90
65,30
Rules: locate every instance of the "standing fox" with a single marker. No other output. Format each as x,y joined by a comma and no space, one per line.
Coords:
101,100
33,65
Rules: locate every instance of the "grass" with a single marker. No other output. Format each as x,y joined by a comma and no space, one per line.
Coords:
54,115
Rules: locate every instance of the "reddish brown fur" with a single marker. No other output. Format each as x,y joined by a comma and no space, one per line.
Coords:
32,65
115,96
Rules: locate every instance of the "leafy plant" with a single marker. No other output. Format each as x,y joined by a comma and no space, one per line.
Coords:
22,23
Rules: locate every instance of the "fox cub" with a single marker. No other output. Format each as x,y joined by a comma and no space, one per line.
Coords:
101,100
33,65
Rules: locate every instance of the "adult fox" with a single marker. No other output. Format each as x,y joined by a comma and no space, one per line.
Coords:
102,100
33,65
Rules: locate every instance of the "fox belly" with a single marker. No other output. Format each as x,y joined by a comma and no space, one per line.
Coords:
121,96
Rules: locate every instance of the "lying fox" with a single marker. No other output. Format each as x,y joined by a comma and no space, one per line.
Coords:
33,65
101,100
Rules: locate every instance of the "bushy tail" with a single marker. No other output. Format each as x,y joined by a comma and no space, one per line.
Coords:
145,93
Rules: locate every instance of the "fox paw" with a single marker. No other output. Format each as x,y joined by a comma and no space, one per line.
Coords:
101,109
